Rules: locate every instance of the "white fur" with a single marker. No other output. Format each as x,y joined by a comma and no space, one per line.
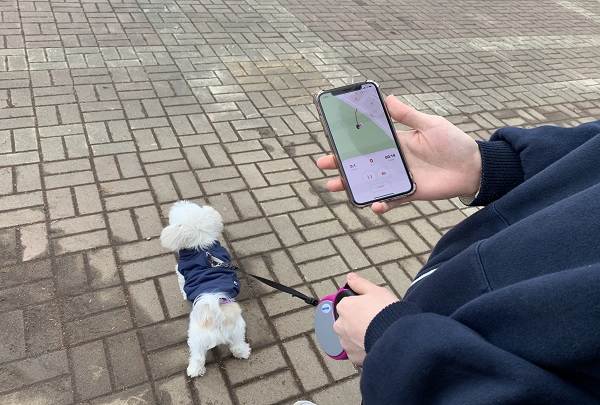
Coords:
191,226
211,323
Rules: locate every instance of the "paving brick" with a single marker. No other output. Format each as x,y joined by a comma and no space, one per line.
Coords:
175,305
91,371
21,217
282,206
248,394
148,268
43,330
126,359
426,231
106,168
21,200
387,252
58,391
187,185
81,242
21,295
325,267
148,221
166,167
122,226
33,241
84,305
217,155
141,393
286,231
164,188
258,331
306,363
13,159
247,229
71,274
53,149
262,361
103,271
87,199
212,389
222,204
97,326
174,390
33,370
131,200
113,148
13,336
6,180
76,225
351,252
60,203
322,230
345,391
411,239
447,219
139,250
169,361
256,245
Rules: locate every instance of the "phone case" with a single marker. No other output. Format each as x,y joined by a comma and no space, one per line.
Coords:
334,150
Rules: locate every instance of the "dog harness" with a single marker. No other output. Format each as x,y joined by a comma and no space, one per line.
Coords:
208,271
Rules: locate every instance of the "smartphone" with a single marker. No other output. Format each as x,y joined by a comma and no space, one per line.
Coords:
363,140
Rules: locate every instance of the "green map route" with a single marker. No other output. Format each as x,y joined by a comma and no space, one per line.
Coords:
344,112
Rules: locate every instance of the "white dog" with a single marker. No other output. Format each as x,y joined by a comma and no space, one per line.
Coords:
205,279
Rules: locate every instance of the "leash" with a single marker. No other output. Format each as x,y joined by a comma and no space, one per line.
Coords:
281,287
216,262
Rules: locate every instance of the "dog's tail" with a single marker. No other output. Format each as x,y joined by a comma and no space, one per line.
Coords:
207,310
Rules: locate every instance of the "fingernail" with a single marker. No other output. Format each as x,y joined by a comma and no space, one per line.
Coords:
352,276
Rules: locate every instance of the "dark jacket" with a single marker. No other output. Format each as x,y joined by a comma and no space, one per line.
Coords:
507,308
200,275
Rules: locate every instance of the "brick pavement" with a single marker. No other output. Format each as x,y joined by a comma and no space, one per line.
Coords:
111,110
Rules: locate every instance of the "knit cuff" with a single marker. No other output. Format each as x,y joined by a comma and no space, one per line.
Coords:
501,171
385,318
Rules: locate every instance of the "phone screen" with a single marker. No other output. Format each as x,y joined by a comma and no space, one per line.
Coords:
364,141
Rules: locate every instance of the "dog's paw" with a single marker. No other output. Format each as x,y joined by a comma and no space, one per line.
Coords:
196,370
241,351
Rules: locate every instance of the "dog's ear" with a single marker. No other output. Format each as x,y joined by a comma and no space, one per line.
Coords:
173,237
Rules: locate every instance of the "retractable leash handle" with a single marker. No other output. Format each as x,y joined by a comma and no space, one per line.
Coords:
325,313
325,316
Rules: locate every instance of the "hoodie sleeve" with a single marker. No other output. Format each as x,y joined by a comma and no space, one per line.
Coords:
534,342
513,155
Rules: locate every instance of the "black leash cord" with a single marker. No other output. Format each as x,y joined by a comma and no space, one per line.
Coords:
294,293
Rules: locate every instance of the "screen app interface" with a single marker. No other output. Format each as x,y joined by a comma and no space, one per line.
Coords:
365,143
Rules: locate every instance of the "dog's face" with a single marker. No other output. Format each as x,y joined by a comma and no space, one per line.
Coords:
191,227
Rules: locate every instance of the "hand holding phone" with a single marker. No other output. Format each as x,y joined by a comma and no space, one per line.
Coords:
362,137
444,161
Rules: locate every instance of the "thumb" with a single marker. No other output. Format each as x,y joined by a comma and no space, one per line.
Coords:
359,285
407,115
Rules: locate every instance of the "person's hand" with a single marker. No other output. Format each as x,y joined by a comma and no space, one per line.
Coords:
445,162
357,312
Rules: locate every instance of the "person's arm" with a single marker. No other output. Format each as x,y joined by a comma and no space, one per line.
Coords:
534,342
513,155
446,162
